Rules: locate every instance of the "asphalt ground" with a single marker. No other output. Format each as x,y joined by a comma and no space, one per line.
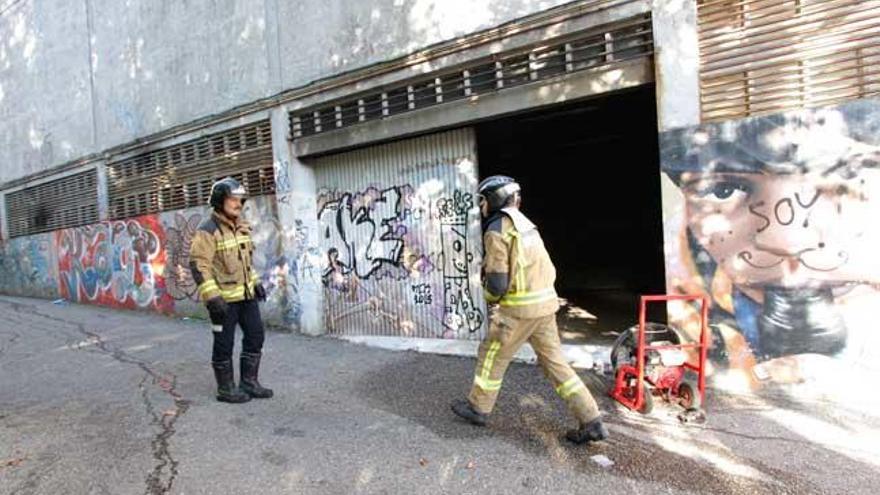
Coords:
94,400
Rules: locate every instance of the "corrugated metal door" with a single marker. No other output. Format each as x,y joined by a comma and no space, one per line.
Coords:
400,236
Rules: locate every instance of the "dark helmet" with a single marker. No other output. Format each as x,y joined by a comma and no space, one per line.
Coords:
498,190
225,188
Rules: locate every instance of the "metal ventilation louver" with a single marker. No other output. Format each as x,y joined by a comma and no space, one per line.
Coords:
596,48
62,203
181,176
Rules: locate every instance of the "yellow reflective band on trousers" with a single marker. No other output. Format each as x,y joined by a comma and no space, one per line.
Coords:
569,387
487,385
207,287
526,298
483,381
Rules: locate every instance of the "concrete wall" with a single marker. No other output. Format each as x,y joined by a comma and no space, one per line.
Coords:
45,96
78,77
137,263
157,64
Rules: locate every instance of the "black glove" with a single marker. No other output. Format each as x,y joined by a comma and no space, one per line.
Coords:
217,309
260,292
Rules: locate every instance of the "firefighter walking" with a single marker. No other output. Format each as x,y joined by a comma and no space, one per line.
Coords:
220,261
519,280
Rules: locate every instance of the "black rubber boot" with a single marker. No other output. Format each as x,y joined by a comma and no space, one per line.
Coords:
465,410
226,389
250,369
593,431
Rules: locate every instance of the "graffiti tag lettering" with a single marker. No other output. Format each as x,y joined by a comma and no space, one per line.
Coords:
112,263
423,295
784,211
459,308
362,233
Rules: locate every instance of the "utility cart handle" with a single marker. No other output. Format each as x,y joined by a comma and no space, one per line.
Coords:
703,346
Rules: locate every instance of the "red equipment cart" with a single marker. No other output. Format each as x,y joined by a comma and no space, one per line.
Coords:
663,365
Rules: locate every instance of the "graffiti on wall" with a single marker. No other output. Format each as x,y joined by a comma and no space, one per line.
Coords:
141,262
459,309
117,263
178,277
423,294
289,273
363,232
775,219
181,226
398,260
28,266
282,177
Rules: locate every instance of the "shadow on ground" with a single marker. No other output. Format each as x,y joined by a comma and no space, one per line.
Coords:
530,417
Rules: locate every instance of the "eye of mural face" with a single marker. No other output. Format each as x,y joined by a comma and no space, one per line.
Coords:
722,190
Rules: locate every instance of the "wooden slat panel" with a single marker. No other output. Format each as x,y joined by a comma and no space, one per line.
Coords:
765,56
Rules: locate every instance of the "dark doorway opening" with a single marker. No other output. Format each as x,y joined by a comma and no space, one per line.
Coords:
590,175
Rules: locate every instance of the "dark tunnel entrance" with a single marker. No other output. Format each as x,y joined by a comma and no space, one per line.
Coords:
590,175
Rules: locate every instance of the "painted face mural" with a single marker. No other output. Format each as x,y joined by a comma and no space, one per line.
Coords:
775,218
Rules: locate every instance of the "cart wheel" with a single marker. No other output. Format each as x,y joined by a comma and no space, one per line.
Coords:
624,349
689,395
648,402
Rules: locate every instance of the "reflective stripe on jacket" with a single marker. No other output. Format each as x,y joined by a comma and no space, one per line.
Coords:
515,253
220,257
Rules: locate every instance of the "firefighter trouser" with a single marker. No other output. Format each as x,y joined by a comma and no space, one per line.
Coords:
247,315
506,336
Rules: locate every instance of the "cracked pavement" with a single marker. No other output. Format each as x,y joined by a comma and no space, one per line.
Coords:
94,400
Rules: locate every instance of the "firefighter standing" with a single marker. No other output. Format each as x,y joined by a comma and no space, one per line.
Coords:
220,260
519,279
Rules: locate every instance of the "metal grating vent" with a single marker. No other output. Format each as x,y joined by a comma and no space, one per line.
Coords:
599,47
62,203
767,56
181,176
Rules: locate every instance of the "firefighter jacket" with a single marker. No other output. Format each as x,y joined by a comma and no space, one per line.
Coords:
220,259
519,275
